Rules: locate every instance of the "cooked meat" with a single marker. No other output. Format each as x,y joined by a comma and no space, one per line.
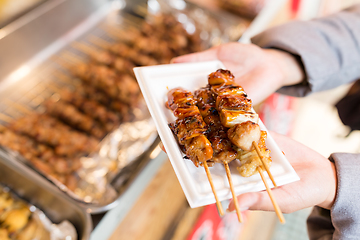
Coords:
244,134
189,127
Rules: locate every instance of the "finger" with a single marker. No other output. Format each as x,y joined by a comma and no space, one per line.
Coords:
161,145
208,55
252,201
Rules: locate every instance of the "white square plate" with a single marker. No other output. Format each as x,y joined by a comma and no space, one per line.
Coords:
155,82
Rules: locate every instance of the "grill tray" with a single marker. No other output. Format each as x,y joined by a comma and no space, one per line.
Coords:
40,71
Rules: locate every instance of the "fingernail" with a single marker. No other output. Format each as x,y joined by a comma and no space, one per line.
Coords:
161,145
244,208
241,209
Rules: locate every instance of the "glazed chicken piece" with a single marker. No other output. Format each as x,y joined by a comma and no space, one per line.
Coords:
250,161
121,108
244,134
117,86
221,77
232,104
235,109
50,131
222,147
41,156
73,117
138,58
236,113
93,109
109,59
189,127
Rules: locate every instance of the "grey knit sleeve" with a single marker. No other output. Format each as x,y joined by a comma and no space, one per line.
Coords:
343,220
328,47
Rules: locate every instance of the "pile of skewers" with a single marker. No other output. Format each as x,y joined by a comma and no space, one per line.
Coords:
99,95
217,124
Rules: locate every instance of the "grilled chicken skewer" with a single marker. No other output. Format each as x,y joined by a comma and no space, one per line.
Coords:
105,57
110,120
73,117
42,157
236,112
217,135
50,131
190,129
121,87
127,52
116,105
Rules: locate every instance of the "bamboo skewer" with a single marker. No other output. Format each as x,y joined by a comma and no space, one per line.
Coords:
72,58
276,206
85,48
218,203
18,106
268,189
65,78
264,164
63,63
236,203
116,33
5,118
99,42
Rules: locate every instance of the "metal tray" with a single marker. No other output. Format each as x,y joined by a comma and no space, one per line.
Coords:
32,188
30,46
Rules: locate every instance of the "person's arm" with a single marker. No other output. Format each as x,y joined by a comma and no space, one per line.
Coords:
328,48
343,220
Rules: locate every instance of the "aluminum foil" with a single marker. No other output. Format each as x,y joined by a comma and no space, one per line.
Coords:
118,150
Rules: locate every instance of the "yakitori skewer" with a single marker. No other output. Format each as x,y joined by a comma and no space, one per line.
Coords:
190,128
105,57
236,112
223,151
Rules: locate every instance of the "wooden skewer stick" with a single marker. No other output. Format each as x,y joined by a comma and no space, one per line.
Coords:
72,58
85,48
115,33
264,164
5,118
236,203
21,108
276,206
63,77
63,63
218,203
99,42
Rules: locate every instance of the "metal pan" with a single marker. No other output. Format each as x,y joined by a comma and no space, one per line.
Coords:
30,44
31,187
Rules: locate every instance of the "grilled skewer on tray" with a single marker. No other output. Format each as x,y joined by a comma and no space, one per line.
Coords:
100,93
231,127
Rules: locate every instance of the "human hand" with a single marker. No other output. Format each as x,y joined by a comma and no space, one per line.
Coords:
317,184
259,71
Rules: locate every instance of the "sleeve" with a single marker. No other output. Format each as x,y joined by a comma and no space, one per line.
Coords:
328,47
343,220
